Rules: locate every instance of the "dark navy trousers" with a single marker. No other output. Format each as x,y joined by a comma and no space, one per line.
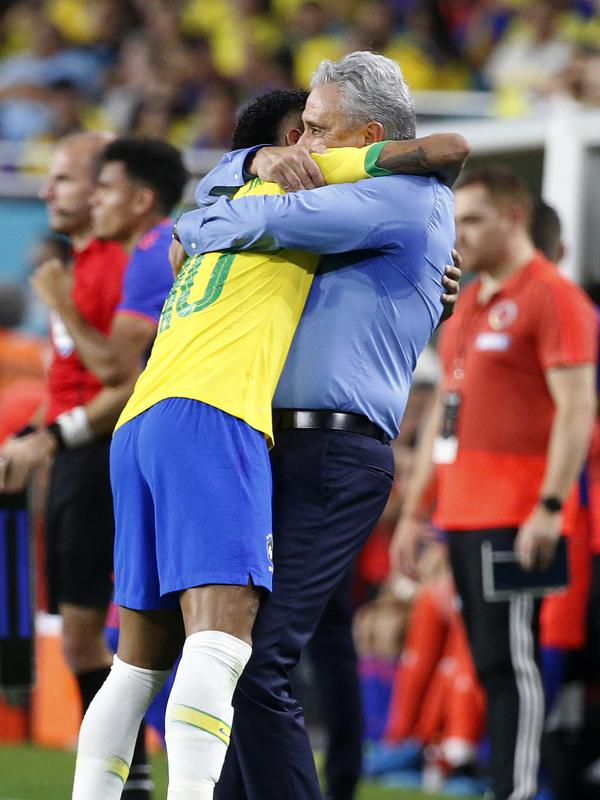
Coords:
333,658
329,490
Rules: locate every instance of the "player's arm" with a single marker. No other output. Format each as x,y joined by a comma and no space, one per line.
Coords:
441,154
292,168
573,391
115,358
332,219
20,456
407,535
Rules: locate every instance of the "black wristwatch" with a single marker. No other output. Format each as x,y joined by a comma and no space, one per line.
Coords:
56,433
551,503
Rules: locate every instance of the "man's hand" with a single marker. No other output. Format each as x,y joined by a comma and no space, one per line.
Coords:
54,284
409,533
536,540
177,256
20,456
451,281
292,167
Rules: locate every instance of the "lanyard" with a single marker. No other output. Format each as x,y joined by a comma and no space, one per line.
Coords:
464,337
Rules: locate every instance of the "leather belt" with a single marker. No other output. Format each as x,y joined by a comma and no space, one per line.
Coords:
292,418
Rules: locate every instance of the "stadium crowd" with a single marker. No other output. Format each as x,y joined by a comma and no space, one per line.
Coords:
180,70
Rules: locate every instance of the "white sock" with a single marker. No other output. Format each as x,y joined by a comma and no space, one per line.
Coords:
199,712
109,730
458,752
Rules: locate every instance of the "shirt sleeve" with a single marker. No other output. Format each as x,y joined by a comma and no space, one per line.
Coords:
370,214
567,326
350,164
339,165
147,282
108,288
224,179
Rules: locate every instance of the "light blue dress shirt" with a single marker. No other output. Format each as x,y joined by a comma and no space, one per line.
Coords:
376,298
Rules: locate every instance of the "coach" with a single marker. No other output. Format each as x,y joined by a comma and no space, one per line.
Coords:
344,388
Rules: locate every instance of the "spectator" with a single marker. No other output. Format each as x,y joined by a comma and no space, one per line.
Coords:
26,80
313,40
581,78
132,78
436,711
215,117
531,54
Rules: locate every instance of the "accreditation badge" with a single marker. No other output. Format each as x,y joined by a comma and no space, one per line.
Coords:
445,447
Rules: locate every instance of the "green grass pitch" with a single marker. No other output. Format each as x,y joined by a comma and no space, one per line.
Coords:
32,773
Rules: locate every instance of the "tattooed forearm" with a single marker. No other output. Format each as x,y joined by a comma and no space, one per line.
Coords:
412,158
443,154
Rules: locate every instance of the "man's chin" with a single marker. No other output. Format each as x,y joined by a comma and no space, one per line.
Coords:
64,224
105,236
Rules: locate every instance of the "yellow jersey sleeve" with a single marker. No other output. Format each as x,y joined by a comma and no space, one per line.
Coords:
350,164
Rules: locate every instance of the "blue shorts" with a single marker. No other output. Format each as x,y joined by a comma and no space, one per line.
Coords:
192,495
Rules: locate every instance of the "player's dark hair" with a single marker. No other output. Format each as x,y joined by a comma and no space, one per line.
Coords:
259,122
153,162
503,186
546,230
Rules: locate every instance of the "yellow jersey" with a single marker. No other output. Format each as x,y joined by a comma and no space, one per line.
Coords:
228,322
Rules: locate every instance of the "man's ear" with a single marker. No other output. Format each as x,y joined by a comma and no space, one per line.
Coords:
293,136
143,200
374,133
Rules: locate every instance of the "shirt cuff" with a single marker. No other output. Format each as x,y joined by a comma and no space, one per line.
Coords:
188,230
250,153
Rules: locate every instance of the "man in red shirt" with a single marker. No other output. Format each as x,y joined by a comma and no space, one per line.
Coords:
74,432
509,432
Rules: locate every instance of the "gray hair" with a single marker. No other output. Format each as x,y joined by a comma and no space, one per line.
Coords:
373,89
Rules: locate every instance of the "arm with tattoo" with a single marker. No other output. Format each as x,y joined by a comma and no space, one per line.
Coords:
443,154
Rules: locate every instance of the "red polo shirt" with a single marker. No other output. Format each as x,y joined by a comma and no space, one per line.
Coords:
495,356
97,286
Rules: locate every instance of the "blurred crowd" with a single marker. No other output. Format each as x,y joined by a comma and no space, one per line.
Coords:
180,70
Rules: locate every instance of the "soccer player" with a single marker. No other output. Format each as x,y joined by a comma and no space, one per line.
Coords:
192,500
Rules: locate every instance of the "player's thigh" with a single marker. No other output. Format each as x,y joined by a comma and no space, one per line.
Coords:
210,478
137,584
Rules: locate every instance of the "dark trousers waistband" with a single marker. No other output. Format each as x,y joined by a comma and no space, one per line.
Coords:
292,418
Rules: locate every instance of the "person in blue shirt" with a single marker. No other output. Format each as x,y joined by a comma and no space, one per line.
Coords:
373,306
